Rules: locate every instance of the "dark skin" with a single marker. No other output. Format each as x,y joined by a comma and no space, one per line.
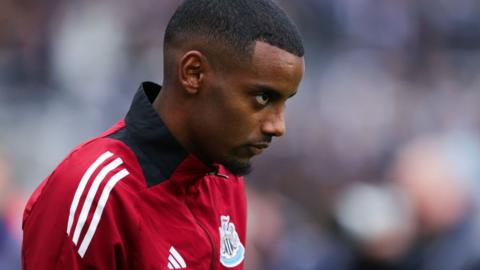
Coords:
228,114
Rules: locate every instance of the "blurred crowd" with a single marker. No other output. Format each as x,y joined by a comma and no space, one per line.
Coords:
380,165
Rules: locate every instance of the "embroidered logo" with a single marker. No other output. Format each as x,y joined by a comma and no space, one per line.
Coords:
232,252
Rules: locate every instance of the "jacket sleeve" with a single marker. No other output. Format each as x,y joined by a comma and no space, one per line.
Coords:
82,216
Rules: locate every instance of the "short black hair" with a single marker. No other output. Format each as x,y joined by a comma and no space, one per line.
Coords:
236,24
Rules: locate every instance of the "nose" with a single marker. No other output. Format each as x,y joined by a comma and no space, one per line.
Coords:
275,124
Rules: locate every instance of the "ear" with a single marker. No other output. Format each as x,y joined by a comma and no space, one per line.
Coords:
192,71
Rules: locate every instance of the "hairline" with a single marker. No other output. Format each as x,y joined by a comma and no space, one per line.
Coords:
216,50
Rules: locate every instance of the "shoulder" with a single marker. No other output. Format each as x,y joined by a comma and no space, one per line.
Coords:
101,158
93,192
91,173
99,170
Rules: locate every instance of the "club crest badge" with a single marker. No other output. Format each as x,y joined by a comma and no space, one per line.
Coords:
232,251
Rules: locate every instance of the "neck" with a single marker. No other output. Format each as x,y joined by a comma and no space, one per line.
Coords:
173,110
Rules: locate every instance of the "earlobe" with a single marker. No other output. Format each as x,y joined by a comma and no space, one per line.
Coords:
192,69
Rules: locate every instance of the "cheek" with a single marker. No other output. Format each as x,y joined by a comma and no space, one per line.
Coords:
230,117
241,123
231,129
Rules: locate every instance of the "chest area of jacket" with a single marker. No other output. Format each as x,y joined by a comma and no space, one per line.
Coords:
199,225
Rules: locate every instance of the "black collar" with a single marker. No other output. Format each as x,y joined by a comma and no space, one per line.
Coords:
157,151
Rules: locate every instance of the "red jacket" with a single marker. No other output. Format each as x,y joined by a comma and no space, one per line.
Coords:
132,198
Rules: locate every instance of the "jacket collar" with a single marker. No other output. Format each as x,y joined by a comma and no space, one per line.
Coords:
161,153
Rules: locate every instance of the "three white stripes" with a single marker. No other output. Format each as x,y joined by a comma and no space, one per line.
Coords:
175,260
90,197
81,187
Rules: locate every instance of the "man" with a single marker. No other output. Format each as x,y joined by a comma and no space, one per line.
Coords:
163,188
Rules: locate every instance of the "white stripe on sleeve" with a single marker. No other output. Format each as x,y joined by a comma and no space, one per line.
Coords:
99,210
91,195
81,187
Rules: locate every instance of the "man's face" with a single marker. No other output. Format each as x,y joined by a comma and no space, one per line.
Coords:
240,110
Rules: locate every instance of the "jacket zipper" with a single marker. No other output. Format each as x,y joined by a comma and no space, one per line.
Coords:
212,267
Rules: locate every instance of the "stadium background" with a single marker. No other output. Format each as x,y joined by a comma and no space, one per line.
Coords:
380,165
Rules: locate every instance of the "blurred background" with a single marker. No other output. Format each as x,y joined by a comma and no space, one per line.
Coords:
380,167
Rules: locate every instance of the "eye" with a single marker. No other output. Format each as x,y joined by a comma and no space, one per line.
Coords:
262,99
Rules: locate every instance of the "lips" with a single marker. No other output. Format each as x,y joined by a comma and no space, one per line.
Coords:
260,145
258,148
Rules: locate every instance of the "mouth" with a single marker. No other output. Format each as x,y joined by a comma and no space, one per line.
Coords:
257,149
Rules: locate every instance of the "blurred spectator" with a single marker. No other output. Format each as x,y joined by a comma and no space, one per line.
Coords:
428,218
376,23
379,221
10,209
282,236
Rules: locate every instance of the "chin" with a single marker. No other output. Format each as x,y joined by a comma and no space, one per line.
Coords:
237,167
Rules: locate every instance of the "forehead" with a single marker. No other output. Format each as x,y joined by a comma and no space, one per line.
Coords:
274,67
